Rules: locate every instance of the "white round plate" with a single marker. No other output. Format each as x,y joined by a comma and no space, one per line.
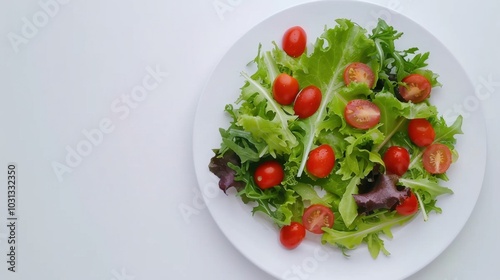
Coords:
414,245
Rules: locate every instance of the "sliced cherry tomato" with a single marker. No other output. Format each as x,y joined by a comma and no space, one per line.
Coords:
307,102
294,41
285,89
362,114
437,158
409,206
416,89
421,132
292,235
269,174
396,160
321,161
316,217
360,73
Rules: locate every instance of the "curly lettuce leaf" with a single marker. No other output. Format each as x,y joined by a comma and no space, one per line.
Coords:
333,51
273,121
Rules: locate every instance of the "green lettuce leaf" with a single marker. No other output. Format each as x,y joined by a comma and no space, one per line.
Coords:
333,51
347,206
352,239
274,121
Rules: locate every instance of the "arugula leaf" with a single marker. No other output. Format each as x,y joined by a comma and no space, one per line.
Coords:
279,204
398,63
444,134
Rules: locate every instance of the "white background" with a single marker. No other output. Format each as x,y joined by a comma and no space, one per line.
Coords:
121,211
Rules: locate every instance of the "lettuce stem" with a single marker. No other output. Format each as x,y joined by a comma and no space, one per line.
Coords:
389,136
422,206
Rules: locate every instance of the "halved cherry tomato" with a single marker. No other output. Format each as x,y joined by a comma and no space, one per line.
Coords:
421,132
396,160
409,206
360,73
316,217
321,161
292,235
269,174
307,102
294,41
437,158
417,88
285,89
362,114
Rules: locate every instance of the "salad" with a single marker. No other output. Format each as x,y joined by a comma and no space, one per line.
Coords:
339,140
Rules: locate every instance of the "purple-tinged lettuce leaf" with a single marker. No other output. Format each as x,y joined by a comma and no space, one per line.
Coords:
220,166
384,195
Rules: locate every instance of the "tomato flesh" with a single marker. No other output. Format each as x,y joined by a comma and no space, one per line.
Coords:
307,102
321,161
360,73
421,132
416,89
292,235
362,114
437,158
294,41
269,174
285,89
409,206
396,160
316,217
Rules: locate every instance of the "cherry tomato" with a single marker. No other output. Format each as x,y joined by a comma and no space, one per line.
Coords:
362,114
417,88
360,73
409,206
397,160
421,132
437,158
321,161
269,174
294,41
285,89
292,235
316,217
307,102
